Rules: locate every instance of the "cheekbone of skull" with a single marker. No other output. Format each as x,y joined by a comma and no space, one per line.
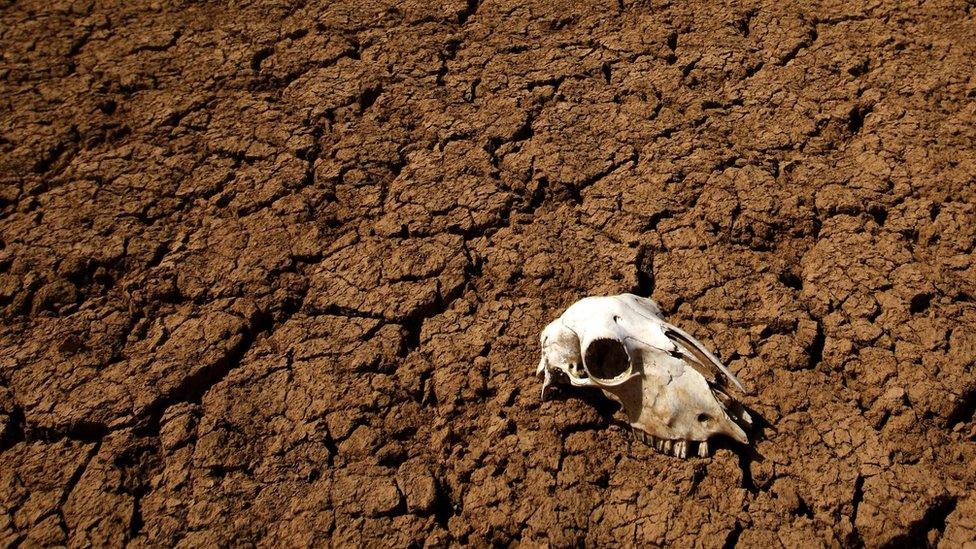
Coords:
674,391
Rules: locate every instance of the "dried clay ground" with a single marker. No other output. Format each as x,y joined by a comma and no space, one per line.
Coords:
274,273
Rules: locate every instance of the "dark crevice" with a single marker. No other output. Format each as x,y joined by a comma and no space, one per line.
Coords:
268,82
310,156
331,446
800,47
855,119
859,69
158,47
14,432
920,303
472,93
538,196
221,471
413,324
816,349
411,338
934,519
751,70
61,154
576,191
391,456
803,509
645,272
855,536
87,432
469,10
791,280
192,388
964,410
746,456
77,474
525,131
368,96
444,508
450,52
742,25
697,476
259,57
655,219
555,82
732,539
522,133
962,297
136,465
44,163
672,41
335,310
879,214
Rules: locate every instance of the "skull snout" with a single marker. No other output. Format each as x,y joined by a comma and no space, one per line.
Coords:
606,361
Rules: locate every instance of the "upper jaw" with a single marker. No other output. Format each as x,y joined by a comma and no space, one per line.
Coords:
565,375
554,376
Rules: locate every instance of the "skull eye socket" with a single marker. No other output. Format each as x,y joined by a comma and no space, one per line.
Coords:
704,418
606,359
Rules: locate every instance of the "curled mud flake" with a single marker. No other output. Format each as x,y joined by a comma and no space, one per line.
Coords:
671,387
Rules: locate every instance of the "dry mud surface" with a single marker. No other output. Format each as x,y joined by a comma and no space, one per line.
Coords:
274,273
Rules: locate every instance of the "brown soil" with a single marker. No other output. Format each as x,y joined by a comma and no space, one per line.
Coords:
275,274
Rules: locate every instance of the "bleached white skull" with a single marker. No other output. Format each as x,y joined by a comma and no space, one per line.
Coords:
674,391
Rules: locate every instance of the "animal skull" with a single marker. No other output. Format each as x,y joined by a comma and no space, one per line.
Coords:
673,390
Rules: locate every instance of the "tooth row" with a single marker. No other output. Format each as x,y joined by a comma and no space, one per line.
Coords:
676,448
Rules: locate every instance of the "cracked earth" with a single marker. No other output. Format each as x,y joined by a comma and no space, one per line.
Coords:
274,273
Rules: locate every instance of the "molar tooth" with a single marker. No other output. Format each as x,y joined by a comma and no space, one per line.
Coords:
666,447
703,449
681,449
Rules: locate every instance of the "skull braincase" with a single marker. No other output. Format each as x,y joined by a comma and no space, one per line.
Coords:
673,390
